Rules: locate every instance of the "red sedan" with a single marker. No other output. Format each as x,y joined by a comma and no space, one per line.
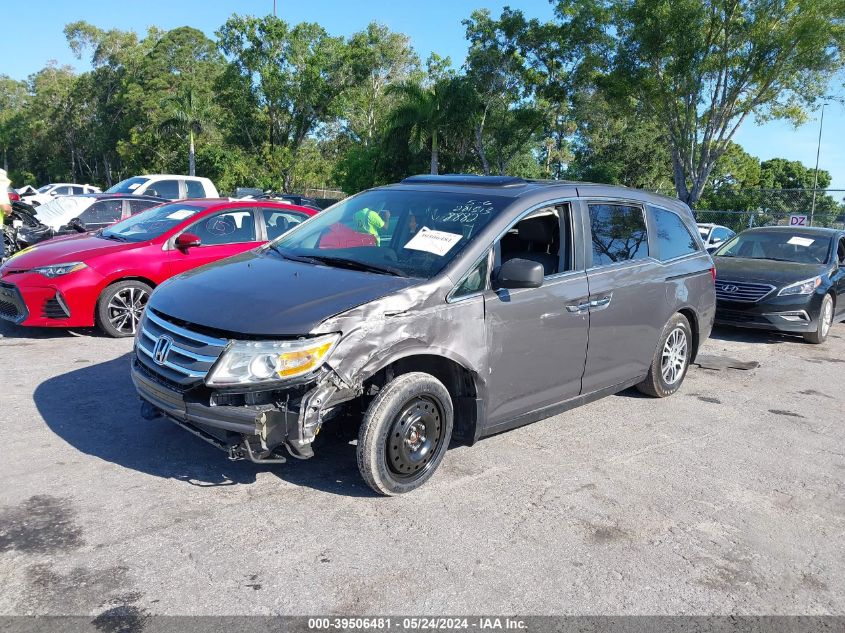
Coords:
105,278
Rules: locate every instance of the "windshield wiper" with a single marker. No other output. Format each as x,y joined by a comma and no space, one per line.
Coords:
354,264
293,258
113,236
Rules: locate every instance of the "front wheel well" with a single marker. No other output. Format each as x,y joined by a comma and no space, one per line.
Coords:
458,380
144,280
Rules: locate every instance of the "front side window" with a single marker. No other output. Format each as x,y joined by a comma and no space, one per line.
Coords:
231,227
152,223
618,233
279,221
195,189
673,237
165,189
412,233
537,238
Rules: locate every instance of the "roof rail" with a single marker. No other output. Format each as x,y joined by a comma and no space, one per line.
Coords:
465,179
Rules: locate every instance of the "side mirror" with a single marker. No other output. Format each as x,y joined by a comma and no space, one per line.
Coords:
187,240
519,273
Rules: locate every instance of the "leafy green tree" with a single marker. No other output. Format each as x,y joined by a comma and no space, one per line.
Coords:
704,66
295,78
429,114
14,99
190,114
383,58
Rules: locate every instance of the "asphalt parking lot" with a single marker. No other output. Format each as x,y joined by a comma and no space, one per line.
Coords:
725,498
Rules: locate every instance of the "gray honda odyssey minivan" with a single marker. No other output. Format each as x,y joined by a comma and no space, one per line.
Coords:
440,309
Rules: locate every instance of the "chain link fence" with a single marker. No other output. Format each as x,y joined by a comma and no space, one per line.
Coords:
746,208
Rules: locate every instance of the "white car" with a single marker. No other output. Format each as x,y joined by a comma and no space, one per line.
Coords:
48,192
168,186
714,235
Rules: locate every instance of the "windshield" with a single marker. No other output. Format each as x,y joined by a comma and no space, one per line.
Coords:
151,223
407,233
787,246
127,186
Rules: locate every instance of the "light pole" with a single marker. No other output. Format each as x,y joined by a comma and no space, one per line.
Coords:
816,174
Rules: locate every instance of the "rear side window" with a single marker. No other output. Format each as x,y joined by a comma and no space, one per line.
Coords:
102,212
136,206
618,233
195,189
673,237
279,222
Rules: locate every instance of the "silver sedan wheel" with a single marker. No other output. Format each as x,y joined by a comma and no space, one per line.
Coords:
827,317
125,309
675,356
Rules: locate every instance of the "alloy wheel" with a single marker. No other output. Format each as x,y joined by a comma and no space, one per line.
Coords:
125,309
827,317
674,357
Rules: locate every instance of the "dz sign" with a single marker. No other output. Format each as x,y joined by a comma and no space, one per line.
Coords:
798,220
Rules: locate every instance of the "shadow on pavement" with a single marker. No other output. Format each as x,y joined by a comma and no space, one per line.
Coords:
95,409
11,331
747,335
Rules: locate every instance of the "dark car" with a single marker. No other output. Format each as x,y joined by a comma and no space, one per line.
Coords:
69,215
788,279
302,201
465,306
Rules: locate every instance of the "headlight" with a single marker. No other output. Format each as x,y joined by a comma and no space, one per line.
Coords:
57,270
260,362
806,287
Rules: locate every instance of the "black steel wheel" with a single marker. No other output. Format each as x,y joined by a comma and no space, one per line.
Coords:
405,433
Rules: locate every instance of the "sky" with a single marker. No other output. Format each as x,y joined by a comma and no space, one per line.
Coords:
433,26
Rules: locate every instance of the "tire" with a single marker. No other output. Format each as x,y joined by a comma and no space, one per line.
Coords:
675,346
409,407
823,322
120,306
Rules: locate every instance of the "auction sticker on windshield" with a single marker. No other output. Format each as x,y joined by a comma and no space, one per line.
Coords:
181,214
430,241
800,241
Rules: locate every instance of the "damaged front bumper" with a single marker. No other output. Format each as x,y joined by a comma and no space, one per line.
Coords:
252,425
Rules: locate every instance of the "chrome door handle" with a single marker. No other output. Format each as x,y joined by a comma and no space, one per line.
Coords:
598,303
578,307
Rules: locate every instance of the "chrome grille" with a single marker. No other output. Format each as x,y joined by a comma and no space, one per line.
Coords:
741,291
187,355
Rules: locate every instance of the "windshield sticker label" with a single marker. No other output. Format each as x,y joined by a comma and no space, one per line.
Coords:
134,186
180,215
800,241
437,242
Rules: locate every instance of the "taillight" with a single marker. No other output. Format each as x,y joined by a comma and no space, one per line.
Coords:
14,196
713,272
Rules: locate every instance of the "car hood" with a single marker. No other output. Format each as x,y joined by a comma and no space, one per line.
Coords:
59,211
264,295
765,270
73,248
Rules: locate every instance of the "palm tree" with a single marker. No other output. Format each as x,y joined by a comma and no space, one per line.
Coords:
188,114
428,112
